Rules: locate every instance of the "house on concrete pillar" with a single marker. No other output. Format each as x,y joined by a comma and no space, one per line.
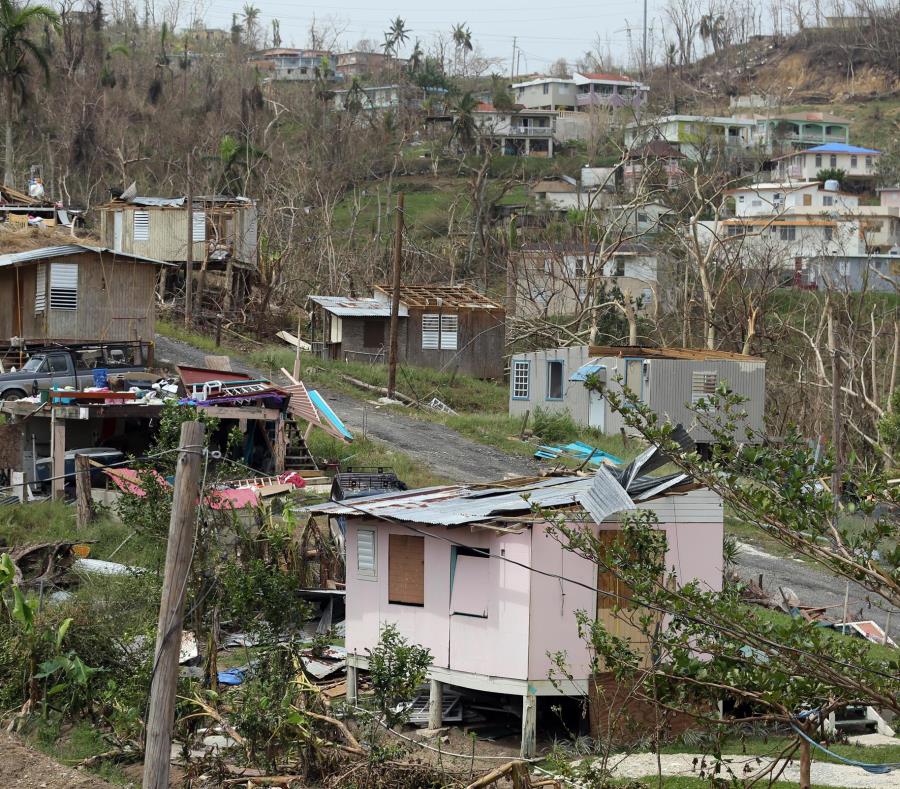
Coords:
77,292
473,574
448,327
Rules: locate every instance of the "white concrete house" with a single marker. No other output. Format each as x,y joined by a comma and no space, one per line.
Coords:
764,199
580,93
858,163
695,136
518,132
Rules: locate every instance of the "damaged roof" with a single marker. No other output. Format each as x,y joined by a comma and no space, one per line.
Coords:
447,296
457,505
691,354
350,307
65,250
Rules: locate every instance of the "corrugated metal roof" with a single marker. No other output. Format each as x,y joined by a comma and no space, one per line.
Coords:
344,306
160,202
605,496
454,505
16,258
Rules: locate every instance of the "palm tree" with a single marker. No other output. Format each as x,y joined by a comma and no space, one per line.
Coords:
17,52
398,31
462,40
251,22
463,127
416,57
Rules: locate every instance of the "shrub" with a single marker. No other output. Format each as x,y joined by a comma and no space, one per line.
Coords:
556,426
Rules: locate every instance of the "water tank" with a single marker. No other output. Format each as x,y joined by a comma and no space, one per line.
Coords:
832,185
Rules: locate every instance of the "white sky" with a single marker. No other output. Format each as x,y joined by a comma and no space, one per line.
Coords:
545,30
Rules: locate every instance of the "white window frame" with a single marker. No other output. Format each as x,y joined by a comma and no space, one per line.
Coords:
199,228
431,332
449,332
64,287
700,384
521,379
369,571
40,288
140,231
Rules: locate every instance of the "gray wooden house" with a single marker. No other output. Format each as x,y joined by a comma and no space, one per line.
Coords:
77,292
668,380
449,327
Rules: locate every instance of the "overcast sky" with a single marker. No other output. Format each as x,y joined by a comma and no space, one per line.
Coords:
546,30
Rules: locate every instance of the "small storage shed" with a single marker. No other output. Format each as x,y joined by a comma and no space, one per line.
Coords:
473,574
75,292
669,380
443,326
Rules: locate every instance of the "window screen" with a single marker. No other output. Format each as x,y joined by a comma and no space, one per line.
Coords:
431,332
449,332
406,569
63,286
199,229
703,385
521,380
373,333
554,380
141,225
40,288
365,553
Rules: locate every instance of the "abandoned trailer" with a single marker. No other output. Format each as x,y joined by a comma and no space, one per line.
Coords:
473,574
447,327
76,291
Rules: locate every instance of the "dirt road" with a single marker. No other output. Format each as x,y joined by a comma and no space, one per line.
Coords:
458,458
22,767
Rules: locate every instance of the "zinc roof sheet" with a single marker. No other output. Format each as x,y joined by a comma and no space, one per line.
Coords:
455,505
16,258
344,306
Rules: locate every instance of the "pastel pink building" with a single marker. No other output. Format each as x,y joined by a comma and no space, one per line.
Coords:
471,573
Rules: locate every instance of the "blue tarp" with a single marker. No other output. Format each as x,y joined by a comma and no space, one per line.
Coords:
591,368
577,450
325,411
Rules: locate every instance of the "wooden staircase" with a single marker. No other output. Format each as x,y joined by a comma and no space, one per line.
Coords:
297,456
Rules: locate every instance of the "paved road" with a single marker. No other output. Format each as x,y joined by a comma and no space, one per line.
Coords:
458,458
439,447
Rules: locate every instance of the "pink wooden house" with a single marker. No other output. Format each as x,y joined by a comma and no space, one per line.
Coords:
418,559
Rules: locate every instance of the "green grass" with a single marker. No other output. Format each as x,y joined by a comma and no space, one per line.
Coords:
364,453
55,522
75,744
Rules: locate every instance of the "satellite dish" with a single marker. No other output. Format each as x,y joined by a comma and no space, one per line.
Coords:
130,193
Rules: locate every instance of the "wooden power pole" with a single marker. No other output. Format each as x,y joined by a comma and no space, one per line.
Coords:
189,256
395,299
161,718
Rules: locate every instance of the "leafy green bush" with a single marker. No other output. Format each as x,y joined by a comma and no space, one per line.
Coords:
554,426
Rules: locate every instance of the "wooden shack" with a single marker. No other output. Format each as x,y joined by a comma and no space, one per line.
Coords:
76,291
448,327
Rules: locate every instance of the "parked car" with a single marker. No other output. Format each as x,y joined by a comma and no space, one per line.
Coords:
74,365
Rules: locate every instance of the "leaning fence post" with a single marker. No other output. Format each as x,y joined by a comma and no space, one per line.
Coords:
85,512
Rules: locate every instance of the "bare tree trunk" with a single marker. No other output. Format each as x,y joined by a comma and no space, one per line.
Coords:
8,179
805,765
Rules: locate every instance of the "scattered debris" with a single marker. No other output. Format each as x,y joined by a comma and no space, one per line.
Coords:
577,450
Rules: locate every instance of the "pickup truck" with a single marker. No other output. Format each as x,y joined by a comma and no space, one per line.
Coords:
74,365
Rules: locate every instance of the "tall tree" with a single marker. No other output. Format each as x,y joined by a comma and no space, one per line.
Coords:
18,53
395,35
251,23
462,41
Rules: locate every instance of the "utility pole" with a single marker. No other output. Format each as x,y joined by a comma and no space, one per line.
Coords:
161,718
395,299
189,257
512,63
644,50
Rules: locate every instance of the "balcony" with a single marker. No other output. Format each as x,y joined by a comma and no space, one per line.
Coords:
530,131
